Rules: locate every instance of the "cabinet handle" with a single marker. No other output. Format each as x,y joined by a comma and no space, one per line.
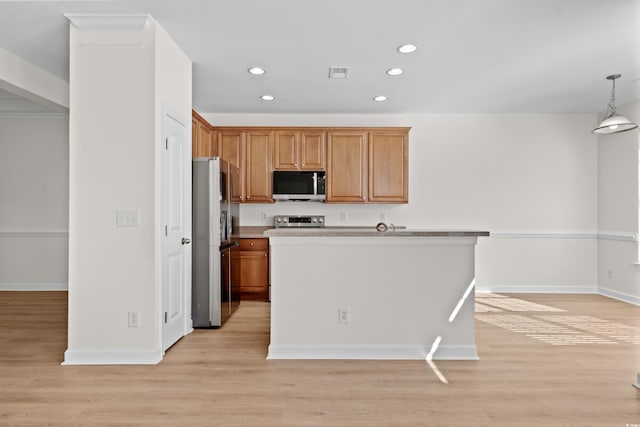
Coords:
250,244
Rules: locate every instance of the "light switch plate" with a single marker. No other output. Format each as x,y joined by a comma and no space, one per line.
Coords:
127,218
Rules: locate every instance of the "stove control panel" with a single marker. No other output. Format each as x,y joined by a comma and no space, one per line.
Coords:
311,221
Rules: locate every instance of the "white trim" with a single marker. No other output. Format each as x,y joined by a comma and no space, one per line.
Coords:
34,233
626,236
34,115
112,357
371,352
620,296
109,21
538,289
33,286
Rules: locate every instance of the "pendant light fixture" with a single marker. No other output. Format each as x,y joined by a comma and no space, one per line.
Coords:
613,123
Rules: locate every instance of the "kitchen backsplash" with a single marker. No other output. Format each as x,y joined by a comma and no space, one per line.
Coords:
335,214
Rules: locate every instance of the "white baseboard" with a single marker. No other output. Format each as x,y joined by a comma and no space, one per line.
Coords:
371,352
34,286
538,289
631,299
125,357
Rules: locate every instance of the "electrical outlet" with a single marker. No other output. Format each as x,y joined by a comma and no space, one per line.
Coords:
344,315
343,216
265,217
383,216
134,319
610,273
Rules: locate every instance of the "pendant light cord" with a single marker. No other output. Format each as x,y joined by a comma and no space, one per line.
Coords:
611,108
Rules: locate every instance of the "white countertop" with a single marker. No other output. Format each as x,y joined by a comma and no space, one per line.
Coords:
369,232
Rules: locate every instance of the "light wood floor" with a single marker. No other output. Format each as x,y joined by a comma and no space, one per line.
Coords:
221,377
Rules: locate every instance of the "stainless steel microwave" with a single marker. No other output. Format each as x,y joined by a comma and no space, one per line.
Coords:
299,185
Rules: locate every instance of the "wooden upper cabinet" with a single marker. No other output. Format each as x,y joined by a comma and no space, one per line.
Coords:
194,137
312,150
364,165
204,140
285,150
299,150
258,172
347,166
203,137
388,167
231,146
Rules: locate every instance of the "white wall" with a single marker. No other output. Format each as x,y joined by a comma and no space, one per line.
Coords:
531,180
618,192
34,198
119,80
173,95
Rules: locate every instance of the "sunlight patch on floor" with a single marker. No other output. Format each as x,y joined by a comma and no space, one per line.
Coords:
555,329
515,304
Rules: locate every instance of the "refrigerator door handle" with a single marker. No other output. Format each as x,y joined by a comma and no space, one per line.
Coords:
185,241
227,246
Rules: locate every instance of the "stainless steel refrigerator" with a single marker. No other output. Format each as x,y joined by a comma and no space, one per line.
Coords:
215,291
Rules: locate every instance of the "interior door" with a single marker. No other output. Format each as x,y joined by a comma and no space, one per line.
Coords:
174,213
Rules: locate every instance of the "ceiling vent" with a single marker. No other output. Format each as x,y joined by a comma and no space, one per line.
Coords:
338,72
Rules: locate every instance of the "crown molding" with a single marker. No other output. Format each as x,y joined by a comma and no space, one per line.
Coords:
109,21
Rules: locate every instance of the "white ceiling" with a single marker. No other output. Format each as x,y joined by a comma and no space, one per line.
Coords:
474,56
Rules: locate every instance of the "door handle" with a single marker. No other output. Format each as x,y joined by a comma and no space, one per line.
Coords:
185,241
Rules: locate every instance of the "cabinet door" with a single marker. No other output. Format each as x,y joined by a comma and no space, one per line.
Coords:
285,150
204,140
254,275
194,137
258,166
347,166
388,168
231,148
254,269
312,148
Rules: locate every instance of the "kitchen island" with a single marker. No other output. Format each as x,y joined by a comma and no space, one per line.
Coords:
362,294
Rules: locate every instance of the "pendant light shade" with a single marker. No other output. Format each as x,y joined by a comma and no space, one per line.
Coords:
613,123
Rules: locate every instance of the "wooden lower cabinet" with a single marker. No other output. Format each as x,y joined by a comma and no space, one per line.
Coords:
252,266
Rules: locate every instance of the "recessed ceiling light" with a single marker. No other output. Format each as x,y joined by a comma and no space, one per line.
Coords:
256,71
407,48
395,71
267,98
380,98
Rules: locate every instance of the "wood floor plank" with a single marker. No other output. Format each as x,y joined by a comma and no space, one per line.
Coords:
221,377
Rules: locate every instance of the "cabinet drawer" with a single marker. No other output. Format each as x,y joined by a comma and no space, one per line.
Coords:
254,244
